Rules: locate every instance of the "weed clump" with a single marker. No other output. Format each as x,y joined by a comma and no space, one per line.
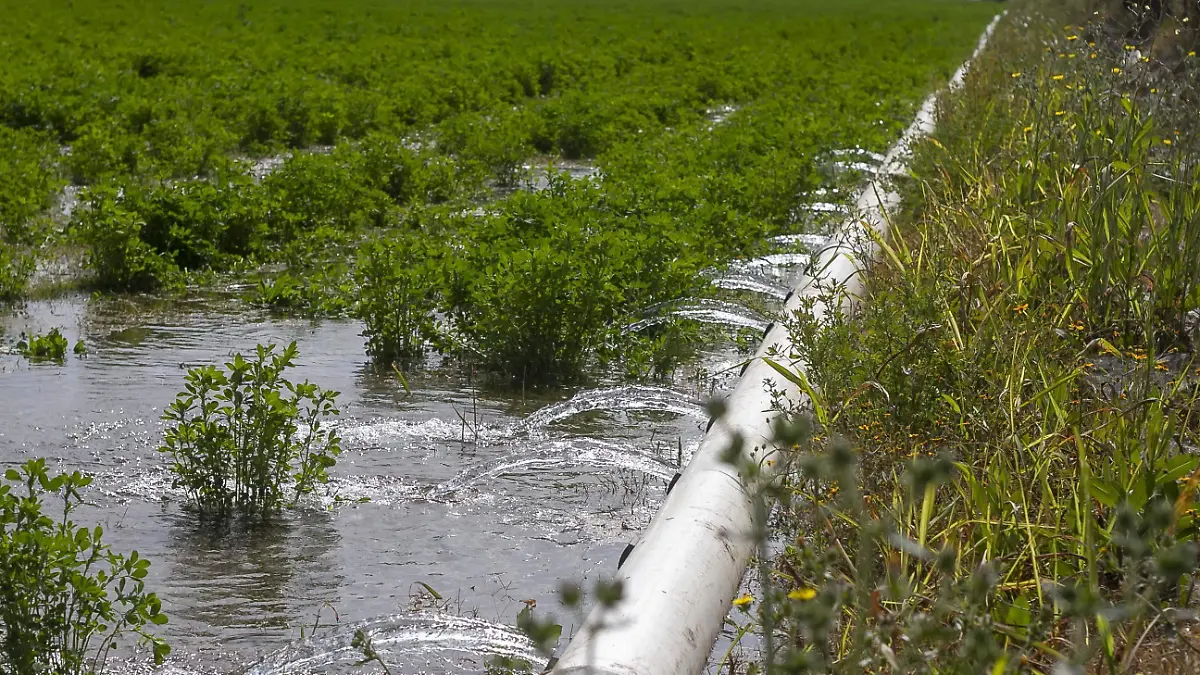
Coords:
66,598
245,440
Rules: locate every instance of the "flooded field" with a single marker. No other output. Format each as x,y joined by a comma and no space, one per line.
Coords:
486,500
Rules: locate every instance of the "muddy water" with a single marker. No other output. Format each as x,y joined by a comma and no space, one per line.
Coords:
500,508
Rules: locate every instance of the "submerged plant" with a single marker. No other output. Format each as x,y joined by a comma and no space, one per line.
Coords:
49,347
247,441
65,597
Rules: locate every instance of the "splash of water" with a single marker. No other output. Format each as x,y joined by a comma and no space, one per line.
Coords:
719,115
632,397
740,282
859,152
539,176
405,642
856,166
704,311
775,260
561,453
824,207
377,434
809,241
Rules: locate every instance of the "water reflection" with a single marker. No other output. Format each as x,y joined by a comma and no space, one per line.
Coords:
238,581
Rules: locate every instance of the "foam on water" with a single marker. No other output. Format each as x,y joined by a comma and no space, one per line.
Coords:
378,433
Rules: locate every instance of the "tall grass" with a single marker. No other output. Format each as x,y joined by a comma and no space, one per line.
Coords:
1020,382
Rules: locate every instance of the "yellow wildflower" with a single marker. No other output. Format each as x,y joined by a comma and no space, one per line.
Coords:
743,601
1023,307
802,594
1166,141
1056,78
1017,74
1116,70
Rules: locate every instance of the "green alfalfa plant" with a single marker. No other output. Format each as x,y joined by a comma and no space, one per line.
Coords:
247,441
117,254
397,280
66,599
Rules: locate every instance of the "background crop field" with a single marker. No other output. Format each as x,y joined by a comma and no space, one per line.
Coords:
710,124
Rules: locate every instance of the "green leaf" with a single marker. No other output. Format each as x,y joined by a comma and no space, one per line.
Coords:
1106,493
797,378
161,651
429,589
1176,468
1018,613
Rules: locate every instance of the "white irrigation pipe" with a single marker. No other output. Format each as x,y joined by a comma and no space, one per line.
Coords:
680,579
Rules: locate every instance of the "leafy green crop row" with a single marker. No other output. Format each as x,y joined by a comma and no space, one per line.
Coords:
159,107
